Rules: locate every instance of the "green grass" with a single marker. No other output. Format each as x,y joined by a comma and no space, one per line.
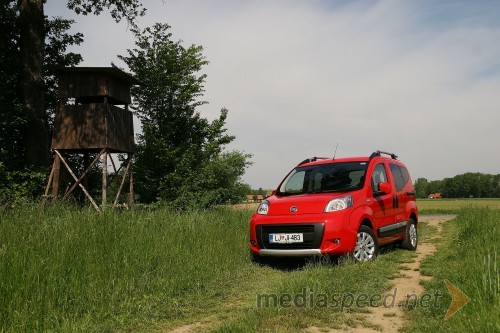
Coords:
323,286
453,206
468,257
65,270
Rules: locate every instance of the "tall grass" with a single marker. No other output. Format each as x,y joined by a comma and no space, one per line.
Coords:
468,257
63,270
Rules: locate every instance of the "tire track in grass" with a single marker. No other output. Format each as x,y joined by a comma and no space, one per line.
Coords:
405,286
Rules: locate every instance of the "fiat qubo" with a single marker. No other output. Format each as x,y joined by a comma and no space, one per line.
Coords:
328,206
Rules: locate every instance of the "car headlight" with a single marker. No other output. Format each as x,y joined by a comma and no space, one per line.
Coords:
337,204
263,208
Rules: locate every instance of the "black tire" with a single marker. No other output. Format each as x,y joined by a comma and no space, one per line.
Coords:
410,241
366,245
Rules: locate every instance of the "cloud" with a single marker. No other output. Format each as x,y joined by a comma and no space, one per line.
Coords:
417,78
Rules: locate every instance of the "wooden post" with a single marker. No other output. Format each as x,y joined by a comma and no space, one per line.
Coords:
104,177
129,161
131,192
84,175
76,179
87,164
56,179
47,188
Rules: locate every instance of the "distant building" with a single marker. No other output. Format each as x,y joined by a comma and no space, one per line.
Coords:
254,197
435,196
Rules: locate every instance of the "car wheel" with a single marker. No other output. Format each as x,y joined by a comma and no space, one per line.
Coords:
366,245
410,241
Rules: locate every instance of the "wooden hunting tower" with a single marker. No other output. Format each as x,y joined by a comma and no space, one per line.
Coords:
92,118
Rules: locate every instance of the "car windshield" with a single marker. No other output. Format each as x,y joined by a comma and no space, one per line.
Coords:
321,178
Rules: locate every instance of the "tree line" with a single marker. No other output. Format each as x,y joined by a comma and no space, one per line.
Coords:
181,158
467,185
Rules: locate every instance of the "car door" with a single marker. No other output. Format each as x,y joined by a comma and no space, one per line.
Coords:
400,197
382,202
399,179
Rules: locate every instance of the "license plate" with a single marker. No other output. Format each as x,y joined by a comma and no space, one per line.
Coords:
286,238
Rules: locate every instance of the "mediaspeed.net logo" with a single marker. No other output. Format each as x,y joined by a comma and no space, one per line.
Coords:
345,301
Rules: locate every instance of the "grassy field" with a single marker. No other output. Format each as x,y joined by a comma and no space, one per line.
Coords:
468,257
65,270
439,206
80,271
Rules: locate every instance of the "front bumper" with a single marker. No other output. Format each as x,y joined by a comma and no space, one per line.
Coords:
290,253
332,234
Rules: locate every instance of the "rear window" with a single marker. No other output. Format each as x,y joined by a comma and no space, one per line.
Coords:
400,175
334,177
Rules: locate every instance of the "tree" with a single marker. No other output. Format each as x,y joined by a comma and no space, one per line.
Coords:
435,186
32,41
57,41
18,176
32,48
421,188
12,118
180,155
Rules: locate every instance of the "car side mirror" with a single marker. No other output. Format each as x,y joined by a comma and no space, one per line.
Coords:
384,188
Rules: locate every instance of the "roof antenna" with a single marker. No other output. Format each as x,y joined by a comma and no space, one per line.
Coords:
334,154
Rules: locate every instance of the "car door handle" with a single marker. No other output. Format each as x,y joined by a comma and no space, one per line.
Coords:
410,194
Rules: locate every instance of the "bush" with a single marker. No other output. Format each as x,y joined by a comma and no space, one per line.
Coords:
20,186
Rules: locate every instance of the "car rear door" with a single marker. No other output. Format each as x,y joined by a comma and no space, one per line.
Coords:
401,178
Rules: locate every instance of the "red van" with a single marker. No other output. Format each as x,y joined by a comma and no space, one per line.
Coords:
328,206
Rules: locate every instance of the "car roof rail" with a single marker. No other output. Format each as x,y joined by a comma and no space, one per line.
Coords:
379,153
313,159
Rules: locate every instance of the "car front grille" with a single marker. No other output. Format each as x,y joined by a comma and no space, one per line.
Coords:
313,234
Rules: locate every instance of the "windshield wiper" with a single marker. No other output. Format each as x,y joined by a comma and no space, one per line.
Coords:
341,189
325,191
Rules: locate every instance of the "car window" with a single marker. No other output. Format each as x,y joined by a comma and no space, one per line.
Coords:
400,175
332,177
379,176
405,174
296,182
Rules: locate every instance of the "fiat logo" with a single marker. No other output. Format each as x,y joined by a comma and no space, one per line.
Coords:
293,209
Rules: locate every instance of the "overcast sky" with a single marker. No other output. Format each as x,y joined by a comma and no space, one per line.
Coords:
417,78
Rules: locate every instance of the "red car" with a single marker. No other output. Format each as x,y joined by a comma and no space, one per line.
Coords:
328,206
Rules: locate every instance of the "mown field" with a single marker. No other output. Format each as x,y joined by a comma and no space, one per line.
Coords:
447,206
65,270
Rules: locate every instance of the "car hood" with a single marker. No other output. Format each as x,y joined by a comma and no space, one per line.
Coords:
304,203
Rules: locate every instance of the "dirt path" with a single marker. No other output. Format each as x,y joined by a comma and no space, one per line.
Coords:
406,285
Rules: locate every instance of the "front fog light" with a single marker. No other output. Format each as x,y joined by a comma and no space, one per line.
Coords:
339,204
263,208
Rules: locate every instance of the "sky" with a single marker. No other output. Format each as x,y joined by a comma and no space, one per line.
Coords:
420,79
